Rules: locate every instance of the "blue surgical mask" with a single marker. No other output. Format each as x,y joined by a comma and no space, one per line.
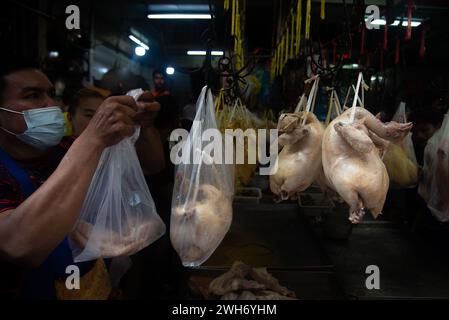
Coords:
45,127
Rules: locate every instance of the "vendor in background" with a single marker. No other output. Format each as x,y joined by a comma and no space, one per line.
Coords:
43,184
425,124
168,117
160,88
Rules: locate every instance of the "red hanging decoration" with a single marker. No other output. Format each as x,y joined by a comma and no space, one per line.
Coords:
350,46
422,43
408,32
385,37
362,45
382,52
396,53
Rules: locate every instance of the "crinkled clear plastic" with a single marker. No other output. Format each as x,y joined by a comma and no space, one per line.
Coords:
118,217
433,186
203,192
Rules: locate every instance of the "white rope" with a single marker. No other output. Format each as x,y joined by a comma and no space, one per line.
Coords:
312,96
301,103
356,96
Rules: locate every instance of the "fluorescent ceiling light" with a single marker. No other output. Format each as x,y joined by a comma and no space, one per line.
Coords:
196,53
203,53
179,8
179,16
405,23
140,51
382,22
170,70
351,66
102,70
139,42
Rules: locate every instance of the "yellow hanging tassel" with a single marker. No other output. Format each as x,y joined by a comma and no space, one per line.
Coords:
233,18
287,49
226,5
298,26
220,100
322,14
277,59
242,54
284,48
282,53
292,38
280,56
307,32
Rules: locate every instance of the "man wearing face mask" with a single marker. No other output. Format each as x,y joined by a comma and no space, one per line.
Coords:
43,185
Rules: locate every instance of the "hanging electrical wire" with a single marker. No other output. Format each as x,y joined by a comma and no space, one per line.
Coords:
343,41
234,67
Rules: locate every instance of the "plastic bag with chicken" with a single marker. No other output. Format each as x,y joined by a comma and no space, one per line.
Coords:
118,217
434,182
201,211
400,159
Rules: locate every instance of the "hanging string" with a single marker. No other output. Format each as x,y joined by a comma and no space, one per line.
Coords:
408,32
308,18
298,26
292,37
354,102
322,12
362,40
422,42
396,53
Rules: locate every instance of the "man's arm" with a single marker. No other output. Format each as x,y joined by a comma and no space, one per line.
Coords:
29,233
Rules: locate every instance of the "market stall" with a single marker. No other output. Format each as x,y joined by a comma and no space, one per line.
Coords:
224,150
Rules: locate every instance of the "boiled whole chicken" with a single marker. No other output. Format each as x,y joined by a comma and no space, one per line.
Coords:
198,227
299,161
352,159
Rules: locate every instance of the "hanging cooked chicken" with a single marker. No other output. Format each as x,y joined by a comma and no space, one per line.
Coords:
352,159
299,161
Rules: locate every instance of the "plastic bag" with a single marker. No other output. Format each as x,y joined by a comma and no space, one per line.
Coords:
202,195
433,186
118,217
400,159
239,117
